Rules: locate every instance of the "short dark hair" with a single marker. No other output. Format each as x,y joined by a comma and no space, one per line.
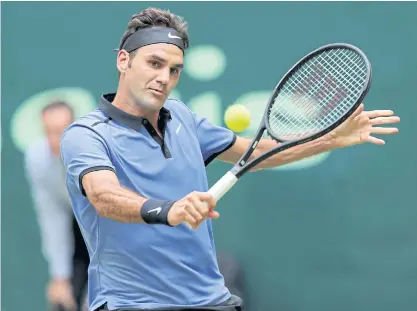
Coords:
57,104
152,17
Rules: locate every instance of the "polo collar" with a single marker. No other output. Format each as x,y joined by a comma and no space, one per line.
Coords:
134,122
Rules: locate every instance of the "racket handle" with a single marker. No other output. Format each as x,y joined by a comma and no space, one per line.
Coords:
223,185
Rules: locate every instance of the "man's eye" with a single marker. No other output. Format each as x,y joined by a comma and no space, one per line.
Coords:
154,64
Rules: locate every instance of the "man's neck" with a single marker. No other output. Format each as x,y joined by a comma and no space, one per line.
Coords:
127,105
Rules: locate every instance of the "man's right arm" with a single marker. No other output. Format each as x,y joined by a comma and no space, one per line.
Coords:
113,201
87,161
110,199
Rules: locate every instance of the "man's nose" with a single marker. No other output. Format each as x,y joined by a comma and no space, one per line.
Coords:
163,76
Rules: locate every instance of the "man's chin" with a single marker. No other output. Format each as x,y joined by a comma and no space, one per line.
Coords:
153,104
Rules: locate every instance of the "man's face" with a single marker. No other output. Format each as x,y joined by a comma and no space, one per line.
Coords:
55,121
153,72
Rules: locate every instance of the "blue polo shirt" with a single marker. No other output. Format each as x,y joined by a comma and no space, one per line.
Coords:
139,265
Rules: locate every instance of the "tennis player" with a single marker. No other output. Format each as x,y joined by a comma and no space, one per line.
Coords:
136,172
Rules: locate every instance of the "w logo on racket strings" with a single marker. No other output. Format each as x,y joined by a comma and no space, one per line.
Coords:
316,85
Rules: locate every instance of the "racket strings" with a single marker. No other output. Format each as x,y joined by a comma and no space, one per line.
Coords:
317,94
305,102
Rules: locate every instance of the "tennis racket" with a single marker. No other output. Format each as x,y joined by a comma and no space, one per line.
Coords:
314,97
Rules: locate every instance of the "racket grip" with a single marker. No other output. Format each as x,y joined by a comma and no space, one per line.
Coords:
223,185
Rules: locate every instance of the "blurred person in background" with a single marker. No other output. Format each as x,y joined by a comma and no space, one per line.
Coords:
62,243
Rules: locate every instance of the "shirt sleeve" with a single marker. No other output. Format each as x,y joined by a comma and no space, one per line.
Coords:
54,220
213,139
83,151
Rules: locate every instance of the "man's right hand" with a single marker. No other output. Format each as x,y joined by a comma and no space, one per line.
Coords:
193,209
60,293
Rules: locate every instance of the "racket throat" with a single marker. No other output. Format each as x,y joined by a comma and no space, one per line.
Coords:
249,151
243,160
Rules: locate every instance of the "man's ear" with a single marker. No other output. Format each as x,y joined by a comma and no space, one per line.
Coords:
123,61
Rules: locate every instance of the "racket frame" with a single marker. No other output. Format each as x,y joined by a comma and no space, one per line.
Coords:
242,166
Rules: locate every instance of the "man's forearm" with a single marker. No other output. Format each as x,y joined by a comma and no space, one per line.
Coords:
317,146
119,204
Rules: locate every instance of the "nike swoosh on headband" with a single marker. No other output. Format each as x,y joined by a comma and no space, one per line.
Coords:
173,37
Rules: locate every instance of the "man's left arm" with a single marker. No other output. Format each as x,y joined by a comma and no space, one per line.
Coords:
220,143
233,154
223,144
359,128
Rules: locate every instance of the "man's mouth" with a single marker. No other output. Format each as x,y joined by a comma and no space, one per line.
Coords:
158,91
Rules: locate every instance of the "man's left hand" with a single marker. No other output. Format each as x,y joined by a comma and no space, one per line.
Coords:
361,126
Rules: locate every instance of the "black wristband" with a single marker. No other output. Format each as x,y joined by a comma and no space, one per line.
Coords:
156,212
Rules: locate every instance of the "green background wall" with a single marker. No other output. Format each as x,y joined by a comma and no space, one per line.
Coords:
343,235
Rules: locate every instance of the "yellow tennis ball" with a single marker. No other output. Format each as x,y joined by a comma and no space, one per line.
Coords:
237,118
